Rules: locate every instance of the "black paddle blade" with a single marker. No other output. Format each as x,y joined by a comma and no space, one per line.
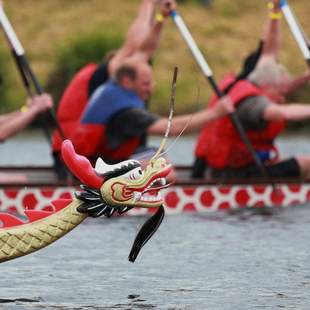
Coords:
146,232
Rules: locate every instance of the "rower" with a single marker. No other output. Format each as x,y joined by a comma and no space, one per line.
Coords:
115,118
140,44
259,102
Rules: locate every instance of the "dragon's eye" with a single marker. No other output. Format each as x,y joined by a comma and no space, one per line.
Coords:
134,174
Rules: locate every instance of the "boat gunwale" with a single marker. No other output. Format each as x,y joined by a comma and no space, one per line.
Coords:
180,182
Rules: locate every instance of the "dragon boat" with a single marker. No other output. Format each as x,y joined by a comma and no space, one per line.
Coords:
32,188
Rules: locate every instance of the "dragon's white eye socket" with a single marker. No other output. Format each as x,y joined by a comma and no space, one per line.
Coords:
134,174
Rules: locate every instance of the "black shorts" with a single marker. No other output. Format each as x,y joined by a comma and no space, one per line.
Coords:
285,168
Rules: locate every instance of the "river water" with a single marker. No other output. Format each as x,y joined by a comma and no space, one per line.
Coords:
219,261
32,148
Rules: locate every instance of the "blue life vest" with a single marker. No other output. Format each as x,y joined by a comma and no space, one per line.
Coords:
108,100
90,137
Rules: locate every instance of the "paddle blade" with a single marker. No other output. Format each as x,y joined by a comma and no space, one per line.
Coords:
146,232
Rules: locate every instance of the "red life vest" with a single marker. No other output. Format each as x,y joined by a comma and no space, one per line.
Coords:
90,140
220,144
72,104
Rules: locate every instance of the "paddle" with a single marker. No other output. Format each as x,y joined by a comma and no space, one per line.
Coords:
209,75
146,232
27,75
296,30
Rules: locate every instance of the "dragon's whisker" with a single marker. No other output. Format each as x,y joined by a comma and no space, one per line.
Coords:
186,125
92,207
176,139
171,105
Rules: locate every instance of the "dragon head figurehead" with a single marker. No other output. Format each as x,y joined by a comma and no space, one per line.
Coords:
127,184
119,188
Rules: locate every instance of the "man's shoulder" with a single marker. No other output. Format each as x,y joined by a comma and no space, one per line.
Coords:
256,100
112,90
135,117
104,92
134,112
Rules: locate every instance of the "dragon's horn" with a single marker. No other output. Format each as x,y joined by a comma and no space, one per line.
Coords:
80,166
102,168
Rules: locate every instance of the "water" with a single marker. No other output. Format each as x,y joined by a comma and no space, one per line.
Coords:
218,262
193,262
31,148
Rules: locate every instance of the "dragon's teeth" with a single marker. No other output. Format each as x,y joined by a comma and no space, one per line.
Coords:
151,198
137,195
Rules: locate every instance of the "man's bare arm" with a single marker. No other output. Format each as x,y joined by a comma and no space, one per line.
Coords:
195,121
272,33
288,112
18,120
298,83
143,47
136,34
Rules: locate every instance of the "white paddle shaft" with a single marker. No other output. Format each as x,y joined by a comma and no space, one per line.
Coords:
192,44
10,34
297,33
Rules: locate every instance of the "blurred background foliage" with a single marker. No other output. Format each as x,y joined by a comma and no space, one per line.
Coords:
60,36
77,53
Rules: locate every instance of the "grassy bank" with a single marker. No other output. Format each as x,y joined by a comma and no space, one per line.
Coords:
226,32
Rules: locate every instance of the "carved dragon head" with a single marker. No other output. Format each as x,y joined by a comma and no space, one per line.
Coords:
119,187
126,184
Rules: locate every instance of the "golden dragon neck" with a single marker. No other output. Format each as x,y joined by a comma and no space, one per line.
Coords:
27,238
